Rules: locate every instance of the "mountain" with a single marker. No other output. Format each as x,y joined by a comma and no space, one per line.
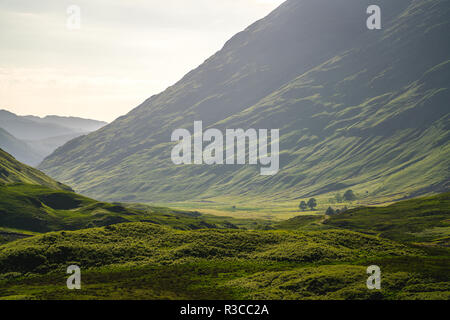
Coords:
24,128
30,139
13,171
20,149
358,108
46,146
74,123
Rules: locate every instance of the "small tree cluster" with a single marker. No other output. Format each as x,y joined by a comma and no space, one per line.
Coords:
349,196
312,203
303,206
330,211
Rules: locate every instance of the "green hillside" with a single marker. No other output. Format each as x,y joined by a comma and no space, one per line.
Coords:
13,171
32,202
355,108
418,220
40,209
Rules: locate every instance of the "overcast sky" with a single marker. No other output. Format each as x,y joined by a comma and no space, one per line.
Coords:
124,52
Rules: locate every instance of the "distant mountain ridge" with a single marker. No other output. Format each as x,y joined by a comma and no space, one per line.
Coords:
36,128
30,139
355,108
75,123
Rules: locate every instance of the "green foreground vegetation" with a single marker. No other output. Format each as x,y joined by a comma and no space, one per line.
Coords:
159,253
143,260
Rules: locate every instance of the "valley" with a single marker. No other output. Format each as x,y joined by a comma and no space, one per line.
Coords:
136,251
357,178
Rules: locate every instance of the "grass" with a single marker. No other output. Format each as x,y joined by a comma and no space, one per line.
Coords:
13,171
33,208
146,261
305,257
416,220
143,243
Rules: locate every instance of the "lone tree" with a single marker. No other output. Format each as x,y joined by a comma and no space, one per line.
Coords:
303,206
330,211
349,196
312,203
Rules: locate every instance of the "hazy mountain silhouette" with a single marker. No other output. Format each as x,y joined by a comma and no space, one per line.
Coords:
74,123
20,149
355,108
30,139
26,129
36,128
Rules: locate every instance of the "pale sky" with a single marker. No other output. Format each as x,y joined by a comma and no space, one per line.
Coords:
124,52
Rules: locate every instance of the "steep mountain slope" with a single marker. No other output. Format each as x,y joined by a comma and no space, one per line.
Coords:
359,108
20,149
12,171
